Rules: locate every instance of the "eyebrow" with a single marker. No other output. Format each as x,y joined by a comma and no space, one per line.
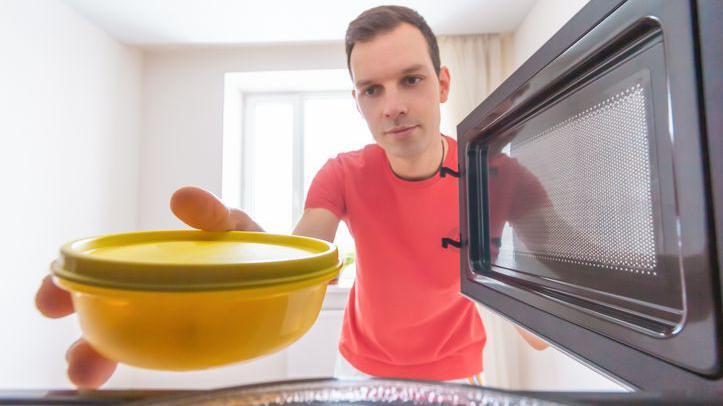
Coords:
410,69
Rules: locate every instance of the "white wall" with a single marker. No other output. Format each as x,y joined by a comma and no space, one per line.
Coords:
509,361
544,19
69,128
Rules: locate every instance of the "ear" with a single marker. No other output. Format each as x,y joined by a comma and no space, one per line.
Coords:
444,80
356,102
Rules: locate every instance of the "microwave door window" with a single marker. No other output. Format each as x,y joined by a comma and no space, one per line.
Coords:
573,206
581,191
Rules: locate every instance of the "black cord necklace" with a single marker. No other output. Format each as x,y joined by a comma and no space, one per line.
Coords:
441,161
439,168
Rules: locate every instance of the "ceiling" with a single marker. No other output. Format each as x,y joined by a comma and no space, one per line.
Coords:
148,23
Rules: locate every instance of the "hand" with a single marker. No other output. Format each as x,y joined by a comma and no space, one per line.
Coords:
87,369
348,259
532,340
202,210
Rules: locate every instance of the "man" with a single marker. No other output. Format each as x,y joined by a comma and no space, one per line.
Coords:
405,316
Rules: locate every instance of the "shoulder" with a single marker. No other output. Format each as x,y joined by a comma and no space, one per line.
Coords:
503,162
367,157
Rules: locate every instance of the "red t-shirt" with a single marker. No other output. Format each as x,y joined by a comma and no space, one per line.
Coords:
405,317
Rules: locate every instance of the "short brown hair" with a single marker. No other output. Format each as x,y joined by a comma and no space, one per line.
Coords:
383,19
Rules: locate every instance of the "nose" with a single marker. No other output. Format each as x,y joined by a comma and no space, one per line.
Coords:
394,105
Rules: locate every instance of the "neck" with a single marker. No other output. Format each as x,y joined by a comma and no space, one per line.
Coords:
422,166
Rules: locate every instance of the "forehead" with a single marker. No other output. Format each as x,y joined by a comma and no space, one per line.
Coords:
389,53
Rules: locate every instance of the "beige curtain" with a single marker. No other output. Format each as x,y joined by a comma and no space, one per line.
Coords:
477,65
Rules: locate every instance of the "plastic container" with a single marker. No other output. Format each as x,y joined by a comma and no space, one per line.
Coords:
185,300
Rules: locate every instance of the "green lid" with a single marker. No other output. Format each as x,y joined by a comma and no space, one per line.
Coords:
195,260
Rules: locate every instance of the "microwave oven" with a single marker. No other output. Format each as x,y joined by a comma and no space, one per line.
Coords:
591,193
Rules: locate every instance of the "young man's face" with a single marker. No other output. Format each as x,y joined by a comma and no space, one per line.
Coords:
398,92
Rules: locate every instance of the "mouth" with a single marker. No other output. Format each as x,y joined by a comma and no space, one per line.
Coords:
401,131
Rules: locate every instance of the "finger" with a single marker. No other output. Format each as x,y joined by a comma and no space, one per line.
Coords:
52,301
241,221
200,209
87,369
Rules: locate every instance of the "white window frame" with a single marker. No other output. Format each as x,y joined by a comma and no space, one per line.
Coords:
239,84
236,86
296,100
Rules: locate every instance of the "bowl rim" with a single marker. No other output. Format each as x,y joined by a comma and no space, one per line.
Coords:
77,264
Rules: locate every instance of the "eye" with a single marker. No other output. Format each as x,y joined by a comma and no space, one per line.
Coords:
412,80
371,90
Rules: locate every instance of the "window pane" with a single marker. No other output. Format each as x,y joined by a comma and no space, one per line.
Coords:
272,136
332,125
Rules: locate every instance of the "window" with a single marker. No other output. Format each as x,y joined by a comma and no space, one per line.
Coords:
286,137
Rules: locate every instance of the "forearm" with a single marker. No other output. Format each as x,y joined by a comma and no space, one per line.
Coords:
317,223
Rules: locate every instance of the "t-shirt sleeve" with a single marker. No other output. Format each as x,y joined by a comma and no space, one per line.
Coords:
327,189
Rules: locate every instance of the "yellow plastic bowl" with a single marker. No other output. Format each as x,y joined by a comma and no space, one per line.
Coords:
185,300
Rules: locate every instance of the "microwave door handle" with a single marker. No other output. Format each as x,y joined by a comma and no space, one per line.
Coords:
446,242
444,171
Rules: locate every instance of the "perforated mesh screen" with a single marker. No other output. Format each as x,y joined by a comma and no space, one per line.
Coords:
595,169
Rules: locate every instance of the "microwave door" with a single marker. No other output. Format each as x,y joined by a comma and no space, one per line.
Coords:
584,198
